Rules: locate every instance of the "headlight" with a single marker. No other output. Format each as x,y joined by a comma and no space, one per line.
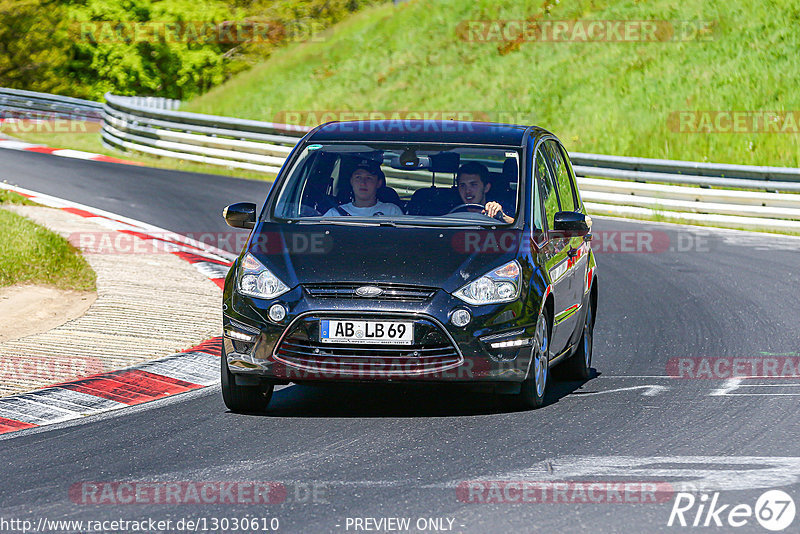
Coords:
500,285
255,280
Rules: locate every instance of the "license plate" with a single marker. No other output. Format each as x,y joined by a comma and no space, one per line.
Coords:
366,332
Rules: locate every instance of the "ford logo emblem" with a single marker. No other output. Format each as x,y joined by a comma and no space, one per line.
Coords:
369,291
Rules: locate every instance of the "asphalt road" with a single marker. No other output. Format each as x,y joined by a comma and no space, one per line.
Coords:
344,454
178,201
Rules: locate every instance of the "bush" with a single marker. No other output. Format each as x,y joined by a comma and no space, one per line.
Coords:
85,48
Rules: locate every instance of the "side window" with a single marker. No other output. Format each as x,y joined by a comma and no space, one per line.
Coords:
571,178
544,194
561,173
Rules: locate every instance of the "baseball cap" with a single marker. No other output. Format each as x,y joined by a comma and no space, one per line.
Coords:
371,166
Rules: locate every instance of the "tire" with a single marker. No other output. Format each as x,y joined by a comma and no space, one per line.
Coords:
579,365
534,388
243,399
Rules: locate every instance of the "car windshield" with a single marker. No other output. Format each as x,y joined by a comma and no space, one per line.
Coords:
402,184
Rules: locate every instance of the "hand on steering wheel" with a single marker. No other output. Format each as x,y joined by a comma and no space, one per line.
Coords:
494,210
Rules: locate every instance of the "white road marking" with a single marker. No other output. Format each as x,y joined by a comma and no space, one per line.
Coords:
662,377
686,473
729,385
732,386
16,145
650,390
77,154
771,385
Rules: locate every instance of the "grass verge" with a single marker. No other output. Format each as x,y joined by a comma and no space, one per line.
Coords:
32,254
10,197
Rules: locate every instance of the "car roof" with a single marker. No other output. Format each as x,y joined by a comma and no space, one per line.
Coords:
425,131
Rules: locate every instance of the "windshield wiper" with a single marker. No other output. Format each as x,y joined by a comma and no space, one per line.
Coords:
341,221
449,223
395,223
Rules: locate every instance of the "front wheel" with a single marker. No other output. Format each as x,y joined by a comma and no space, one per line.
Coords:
533,389
243,399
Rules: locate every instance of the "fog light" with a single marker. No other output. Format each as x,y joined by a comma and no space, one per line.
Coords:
509,344
460,317
277,312
239,336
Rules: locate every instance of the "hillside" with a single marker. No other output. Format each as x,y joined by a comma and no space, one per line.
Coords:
603,97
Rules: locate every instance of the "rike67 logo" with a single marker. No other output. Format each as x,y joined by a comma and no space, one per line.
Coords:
774,510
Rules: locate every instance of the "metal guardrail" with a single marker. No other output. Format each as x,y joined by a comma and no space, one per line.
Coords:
236,143
156,102
16,103
611,184
687,168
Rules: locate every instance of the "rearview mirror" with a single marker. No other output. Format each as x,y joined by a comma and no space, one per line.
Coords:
571,224
240,215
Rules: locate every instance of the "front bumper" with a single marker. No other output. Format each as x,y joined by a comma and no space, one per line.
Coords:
491,348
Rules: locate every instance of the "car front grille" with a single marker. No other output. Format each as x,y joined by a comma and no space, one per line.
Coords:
367,361
431,352
392,292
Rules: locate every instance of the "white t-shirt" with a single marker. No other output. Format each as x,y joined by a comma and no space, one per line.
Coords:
380,208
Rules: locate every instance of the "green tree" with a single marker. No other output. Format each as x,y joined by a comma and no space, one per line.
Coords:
86,48
34,46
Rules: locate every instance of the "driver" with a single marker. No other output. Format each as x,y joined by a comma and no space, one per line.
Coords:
365,181
473,184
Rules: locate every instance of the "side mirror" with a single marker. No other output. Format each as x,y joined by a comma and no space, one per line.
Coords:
571,224
240,215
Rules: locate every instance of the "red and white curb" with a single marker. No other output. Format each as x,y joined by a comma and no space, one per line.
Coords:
196,368
13,144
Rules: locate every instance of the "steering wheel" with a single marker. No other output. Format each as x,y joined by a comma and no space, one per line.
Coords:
464,207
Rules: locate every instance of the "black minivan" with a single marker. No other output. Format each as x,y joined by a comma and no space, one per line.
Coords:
412,251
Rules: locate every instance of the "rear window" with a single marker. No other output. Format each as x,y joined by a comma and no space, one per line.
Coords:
404,183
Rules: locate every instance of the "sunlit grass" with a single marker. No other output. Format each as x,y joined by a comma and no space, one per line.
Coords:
602,97
32,254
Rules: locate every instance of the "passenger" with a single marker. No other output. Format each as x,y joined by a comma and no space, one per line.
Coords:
366,179
473,184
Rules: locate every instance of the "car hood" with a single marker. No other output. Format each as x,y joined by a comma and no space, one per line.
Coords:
446,258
